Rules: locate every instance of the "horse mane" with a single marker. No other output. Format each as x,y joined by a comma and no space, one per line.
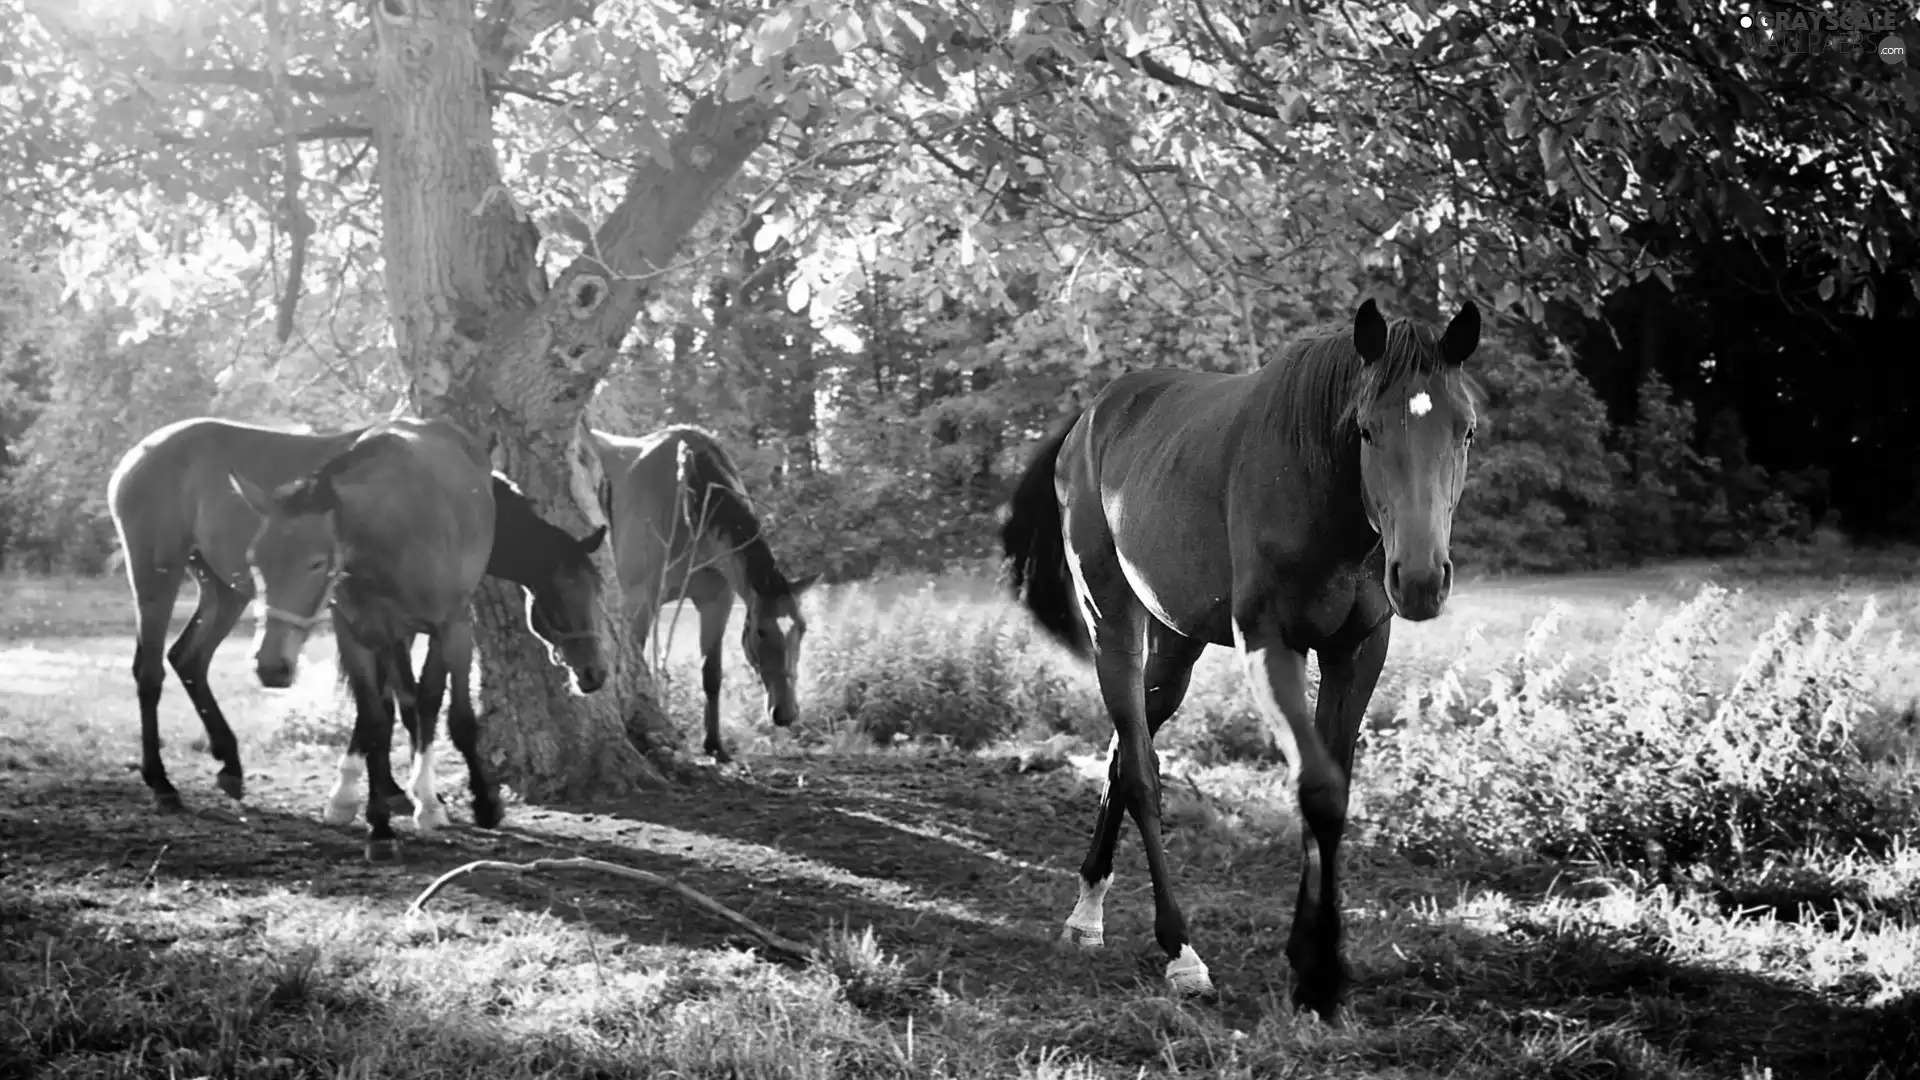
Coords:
713,489
1321,385
313,493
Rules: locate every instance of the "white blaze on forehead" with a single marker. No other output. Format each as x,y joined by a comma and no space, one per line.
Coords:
1420,404
784,624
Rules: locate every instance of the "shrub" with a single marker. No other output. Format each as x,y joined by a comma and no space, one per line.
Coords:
1641,753
1542,469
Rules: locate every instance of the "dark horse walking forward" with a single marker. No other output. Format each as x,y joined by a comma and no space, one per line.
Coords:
403,521
177,512
684,530
1296,507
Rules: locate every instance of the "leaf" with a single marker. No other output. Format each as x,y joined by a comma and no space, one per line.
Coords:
646,67
573,225
744,82
848,32
912,26
768,234
245,233
1826,287
797,294
1866,305
776,35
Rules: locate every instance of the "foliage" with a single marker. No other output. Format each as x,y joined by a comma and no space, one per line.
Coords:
1541,477
55,495
1645,756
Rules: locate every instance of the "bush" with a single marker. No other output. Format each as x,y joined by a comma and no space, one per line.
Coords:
1643,752
1541,472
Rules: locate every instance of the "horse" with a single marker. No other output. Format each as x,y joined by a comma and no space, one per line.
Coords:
562,588
683,529
398,530
177,513
1293,508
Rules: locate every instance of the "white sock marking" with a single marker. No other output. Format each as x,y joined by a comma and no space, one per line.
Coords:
345,794
1188,974
428,814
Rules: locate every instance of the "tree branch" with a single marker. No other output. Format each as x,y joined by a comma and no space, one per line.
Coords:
262,82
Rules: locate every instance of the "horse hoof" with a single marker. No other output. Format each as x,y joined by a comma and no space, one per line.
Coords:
400,806
719,754
1188,977
337,813
1086,937
168,802
233,785
382,851
428,818
487,815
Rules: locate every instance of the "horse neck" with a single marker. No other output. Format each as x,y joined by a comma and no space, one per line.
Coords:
1322,469
750,568
525,548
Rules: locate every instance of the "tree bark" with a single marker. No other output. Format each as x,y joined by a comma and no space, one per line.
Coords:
488,345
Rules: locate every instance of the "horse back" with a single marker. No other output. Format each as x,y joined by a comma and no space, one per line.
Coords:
417,513
170,496
650,508
1150,466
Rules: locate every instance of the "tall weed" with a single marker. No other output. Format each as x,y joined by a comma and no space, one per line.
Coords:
1646,757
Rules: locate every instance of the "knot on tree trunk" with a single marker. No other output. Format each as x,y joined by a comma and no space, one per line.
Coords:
396,12
585,295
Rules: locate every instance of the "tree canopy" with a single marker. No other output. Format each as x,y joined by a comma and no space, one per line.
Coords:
880,246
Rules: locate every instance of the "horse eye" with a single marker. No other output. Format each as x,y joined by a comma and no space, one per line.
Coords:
319,565
1366,435
1470,430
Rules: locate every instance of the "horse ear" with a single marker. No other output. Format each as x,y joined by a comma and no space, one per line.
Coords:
593,541
1369,333
1462,336
253,494
802,584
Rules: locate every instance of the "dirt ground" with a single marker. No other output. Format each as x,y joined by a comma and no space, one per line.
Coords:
959,861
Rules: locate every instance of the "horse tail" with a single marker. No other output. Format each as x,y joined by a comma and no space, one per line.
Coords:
1036,552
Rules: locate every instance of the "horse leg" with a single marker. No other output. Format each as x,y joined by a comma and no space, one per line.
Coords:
372,729
454,642
1347,680
1277,675
1168,670
432,694
713,634
428,813
192,654
153,597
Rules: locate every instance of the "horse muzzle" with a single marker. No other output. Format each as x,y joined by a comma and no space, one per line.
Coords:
1417,593
276,673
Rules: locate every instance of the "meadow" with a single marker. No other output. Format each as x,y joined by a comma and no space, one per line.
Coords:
1639,824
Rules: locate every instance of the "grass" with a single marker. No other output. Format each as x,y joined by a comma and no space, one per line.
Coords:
932,809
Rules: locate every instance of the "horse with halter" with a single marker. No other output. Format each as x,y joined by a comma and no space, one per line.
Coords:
1291,509
683,529
177,512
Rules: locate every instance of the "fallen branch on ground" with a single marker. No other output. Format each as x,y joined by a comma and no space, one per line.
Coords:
789,949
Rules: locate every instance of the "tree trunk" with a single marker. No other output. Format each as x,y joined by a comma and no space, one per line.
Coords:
486,344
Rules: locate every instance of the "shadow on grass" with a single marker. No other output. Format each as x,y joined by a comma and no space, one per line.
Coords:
968,869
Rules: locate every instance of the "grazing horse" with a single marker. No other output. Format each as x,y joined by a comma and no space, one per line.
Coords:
683,529
403,525
1292,508
177,513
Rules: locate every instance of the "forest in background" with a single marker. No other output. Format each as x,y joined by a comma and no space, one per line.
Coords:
1700,259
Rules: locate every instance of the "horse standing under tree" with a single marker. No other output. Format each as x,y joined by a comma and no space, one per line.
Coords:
176,512
683,529
1294,508
402,524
